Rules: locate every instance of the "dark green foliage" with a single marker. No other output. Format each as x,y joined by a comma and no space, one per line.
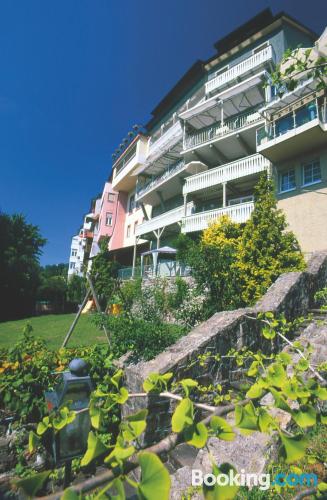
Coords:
104,271
266,248
20,249
144,339
76,289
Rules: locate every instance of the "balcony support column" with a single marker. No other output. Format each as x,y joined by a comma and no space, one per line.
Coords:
222,113
185,205
134,255
224,194
144,211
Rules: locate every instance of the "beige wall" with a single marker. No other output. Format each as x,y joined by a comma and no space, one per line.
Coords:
306,207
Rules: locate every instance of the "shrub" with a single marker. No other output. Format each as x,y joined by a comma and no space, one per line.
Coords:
144,339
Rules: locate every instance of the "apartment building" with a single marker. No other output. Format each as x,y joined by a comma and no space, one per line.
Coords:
202,158
294,139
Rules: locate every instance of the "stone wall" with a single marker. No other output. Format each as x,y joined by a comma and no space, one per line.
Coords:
291,294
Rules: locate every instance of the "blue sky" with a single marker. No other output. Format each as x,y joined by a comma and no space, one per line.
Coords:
76,75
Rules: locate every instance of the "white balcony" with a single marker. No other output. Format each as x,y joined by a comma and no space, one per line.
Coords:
156,182
124,170
234,170
164,139
163,220
219,130
198,222
248,65
294,130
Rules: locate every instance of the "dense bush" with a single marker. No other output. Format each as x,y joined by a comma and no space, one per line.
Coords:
145,339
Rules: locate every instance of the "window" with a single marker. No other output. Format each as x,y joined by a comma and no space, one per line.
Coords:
111,197
287,181
74,252
72,265
242,199
131,204
311,173
135,226
108,219
128,232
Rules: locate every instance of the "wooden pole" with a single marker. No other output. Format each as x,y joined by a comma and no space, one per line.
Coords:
70,331
97,304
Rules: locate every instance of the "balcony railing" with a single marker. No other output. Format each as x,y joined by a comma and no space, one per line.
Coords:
164,138
125,159
243,67
165,268
234,170
160,179
197,222
163,220
290,121
219,129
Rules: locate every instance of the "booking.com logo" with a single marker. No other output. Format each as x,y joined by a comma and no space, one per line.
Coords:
262,481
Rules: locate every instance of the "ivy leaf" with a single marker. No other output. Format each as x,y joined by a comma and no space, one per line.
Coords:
276,374
268,332
122,396
255,391
95,448
31,485
321,393
115,379
293,447
119,454
119,487
265,420
280,401
302,365
196,435
156,382
254,368
305,416
43,426
95,415
134,425
33,441
183,415
222,429
155,479
216,492
188,383
246,418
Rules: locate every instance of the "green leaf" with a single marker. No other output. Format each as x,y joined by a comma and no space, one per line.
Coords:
196,435
70,494
188,383
134,425
95,415
31,485
265,420
280,401
33,441
155,479
156,382
305,416
302,365
255,391
115,379
276,374
119,454
183,415
246,418
122,396
95,448
294,447
268,332
321,393
222,429
254,368
322,487
217,492
43,426
118,486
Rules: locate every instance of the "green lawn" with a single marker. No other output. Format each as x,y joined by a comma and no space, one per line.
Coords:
53,329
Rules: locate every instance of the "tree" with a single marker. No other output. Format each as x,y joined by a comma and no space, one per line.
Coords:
212,261
20,248
76,289
265,249
104,271
296,63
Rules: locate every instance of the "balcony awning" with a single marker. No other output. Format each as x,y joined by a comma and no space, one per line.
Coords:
279,103
232,101
166,249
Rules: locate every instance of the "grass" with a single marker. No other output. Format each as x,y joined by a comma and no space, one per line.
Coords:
53,329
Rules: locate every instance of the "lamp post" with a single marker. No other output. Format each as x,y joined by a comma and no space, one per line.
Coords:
73,390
